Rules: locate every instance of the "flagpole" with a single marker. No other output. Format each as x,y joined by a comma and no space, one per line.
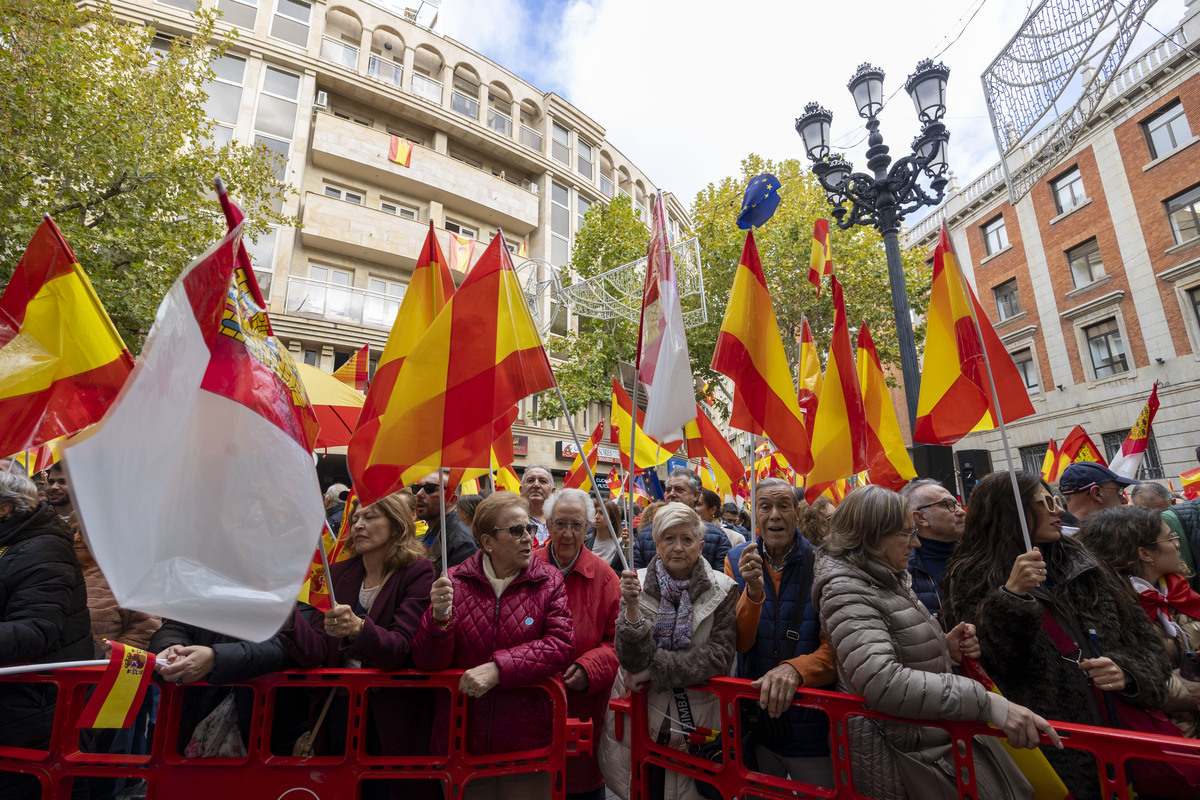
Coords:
445,549
633,458
590,474
26,668
328,574
753,485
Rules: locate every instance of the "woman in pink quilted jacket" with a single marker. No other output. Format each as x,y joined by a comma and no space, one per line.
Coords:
503,617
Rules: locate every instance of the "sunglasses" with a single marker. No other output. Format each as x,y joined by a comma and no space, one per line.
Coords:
427,488
518,531
1049,502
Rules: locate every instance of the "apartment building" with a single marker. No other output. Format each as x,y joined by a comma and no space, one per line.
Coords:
1092,279
335,86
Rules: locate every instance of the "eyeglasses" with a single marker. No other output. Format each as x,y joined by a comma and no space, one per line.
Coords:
949,504
1173,538
561,525
910,535
1049,502
518,531
427,488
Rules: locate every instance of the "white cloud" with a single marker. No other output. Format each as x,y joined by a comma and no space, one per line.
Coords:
687,88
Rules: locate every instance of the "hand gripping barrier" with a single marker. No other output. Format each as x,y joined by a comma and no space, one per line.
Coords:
1112,748
266,775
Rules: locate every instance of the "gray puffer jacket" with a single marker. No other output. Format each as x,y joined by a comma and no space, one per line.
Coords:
892,652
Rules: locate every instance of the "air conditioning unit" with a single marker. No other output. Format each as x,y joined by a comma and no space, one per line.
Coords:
322,100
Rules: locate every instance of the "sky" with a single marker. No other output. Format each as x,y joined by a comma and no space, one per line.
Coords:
688,88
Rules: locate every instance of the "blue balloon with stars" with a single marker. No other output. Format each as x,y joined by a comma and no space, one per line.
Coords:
759,202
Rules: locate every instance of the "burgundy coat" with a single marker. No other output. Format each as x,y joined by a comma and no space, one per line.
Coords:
594,597
526,632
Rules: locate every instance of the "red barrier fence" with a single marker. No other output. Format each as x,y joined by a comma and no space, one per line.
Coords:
1112,748
266,773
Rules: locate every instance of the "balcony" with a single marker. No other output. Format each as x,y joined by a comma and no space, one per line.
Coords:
340,304
464,104
359,152
385,71
606,185
339,53
424,86
531,138
500,122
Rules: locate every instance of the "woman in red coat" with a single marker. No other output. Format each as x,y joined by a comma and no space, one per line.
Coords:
503,617
594,596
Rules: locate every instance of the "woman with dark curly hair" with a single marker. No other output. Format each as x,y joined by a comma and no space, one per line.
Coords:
1138,544
1057,628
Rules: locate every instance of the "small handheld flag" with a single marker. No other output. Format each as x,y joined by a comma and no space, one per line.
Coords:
118,696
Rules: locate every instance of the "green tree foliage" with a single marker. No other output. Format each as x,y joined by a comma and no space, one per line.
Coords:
109,135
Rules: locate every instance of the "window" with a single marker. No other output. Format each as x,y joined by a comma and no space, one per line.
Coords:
349,195
586,159
1032,457
1167,130
561,146
1194,300
1151,462
225,96
1107,352
262,257
1068,190
462,230
1184,213
351,118
399,209
331,299
310,357
583,206
1008,302
1024,361
241,13
560,224
186,5
291,20
275,121
1085,262
383,301
995,236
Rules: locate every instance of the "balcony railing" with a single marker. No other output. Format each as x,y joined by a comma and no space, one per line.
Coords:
464,104
606,185
424,86
385,71
339,53
500,122
531,138
309,298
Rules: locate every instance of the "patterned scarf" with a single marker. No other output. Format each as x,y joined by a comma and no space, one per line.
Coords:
673,623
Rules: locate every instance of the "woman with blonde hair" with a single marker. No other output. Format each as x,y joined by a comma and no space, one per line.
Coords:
891,651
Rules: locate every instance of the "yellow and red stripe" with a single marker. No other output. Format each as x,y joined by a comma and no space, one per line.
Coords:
705,440
400,151
1078,446
1050,463
354,372
62,361
809,392
820,260
648,452
577,475
118,697
750,353
888,462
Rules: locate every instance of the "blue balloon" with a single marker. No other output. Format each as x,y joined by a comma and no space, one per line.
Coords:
759,202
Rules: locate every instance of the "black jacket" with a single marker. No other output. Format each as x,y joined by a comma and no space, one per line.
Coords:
460,543
716,547
43,617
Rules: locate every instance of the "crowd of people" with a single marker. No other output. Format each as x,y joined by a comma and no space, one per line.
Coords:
884,595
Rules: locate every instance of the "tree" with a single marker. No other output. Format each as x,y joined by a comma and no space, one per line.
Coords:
107,133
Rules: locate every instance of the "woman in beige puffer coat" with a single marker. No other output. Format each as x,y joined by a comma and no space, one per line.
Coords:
891,651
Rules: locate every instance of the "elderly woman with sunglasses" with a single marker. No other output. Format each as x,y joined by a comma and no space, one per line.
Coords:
1142,549
1058,629
503,616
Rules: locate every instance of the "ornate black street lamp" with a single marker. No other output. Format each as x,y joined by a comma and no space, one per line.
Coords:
884,199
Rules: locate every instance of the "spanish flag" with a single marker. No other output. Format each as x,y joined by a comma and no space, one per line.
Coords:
1189,482
428,292
750,353
118,697
354,372
956,398
577,475
647,451
461,250
481,355
315,589
507,481
888,462
1050,463
704,440
809,392
400,151
839,443
62,362
820,262
1078,446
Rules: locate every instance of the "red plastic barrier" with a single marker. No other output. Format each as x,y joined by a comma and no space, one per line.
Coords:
1112,748
262,774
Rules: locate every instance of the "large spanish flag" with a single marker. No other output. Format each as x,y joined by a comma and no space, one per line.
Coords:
809,391
839,444
704,440
750,353
61,360
648,452
118,697
888,462
429,289
955,396
481,355
354,372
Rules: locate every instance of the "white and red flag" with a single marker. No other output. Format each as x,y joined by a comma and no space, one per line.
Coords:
197,491
663,363
1133,449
